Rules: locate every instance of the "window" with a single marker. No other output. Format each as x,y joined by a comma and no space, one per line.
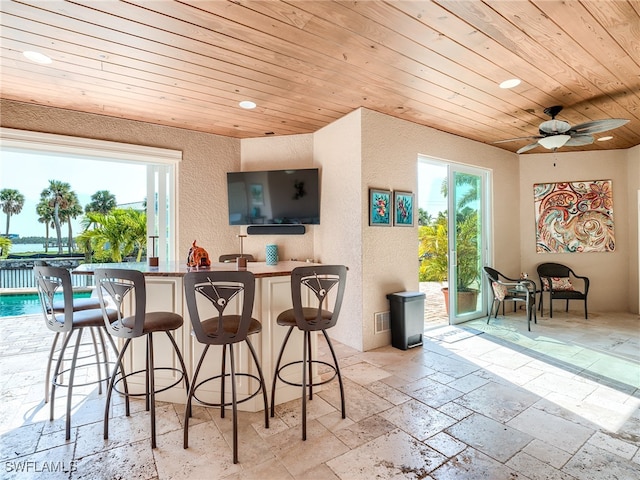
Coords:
161,170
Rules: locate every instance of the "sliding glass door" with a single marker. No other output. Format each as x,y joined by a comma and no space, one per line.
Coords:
467,242
453,235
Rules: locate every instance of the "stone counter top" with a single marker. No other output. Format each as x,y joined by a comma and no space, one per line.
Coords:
173,269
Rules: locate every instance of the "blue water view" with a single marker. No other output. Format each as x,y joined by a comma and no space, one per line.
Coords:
27,304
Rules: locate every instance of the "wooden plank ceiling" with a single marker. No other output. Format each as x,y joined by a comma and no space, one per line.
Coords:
188,63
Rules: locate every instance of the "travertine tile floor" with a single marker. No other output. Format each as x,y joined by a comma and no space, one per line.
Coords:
476,402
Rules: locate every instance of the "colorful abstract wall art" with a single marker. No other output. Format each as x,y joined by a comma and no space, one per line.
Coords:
379,207
403,209
574,217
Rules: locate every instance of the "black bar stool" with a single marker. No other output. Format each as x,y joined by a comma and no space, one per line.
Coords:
91,303
225,328
321,280
114,287
68,317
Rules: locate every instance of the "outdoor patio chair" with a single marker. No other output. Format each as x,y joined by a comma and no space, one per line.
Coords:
507,289
562,283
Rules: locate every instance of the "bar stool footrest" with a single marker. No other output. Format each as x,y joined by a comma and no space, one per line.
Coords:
138,372
210,379
313,384
54,380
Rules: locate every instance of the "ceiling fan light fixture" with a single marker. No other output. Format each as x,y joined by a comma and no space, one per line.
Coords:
511,83
554,134
554,141
604,139
555,126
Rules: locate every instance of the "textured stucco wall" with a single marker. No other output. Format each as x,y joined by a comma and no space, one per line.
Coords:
202,213
390,150
608,272
337,149
276,153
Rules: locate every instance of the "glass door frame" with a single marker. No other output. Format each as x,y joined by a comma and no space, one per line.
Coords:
484,219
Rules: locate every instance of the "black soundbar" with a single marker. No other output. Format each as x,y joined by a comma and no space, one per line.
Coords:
276,230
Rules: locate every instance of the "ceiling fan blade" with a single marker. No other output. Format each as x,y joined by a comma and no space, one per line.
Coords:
532,137
579,140
598,126
526,148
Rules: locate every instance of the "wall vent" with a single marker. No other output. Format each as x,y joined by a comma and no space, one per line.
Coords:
382,322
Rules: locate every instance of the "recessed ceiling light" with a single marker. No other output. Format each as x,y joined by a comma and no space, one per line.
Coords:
37,57
604,139
247,104
513,82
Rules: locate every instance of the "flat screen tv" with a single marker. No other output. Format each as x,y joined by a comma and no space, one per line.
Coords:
274,197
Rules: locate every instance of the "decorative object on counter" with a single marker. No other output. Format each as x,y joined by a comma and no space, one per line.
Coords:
272,254
198,257
241,261
153,259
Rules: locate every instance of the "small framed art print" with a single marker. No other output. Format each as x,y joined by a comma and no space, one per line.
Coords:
379,207
403,209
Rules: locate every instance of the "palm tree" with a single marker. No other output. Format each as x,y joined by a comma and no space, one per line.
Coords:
119,233
57,195
102,201
137,231
45,215
12,202
71,211
424,217
469,194
103,233
5,246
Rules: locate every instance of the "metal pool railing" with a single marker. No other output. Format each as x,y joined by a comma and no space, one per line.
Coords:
23,278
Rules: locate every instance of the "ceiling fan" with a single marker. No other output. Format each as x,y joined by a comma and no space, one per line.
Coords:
554,134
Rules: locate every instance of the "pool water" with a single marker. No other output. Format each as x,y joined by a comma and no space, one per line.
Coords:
27,304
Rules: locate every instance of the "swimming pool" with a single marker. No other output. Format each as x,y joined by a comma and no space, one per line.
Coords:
27,303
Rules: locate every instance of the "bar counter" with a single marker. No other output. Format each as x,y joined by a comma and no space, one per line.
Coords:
165,292
173,269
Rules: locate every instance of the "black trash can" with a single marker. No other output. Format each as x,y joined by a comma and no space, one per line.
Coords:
407,319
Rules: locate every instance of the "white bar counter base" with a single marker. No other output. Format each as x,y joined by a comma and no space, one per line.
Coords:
165,292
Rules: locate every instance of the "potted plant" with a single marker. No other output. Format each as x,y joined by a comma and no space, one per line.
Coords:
434,257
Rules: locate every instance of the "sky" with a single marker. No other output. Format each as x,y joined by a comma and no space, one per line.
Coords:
430,179
30,174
